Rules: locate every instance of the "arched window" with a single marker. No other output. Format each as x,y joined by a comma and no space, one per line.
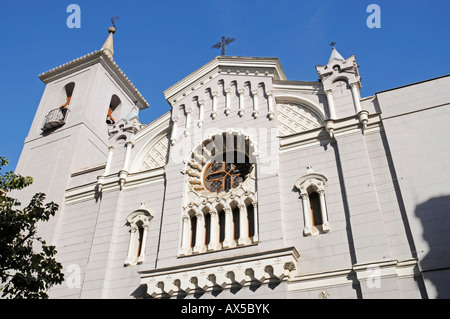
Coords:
139,222
236,223
58,116
213,229
251,220
113,110
193,230
221,214
140,238
207,228
312,193
68,91
316,211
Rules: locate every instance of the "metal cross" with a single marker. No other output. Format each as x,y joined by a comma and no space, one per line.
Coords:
222,44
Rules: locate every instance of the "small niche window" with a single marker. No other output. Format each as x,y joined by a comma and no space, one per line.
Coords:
113,110
312,193
139,222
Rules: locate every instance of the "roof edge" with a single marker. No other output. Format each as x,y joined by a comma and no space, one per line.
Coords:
216,66
90,59
411,84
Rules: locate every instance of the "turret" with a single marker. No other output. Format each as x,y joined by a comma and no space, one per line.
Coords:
342,84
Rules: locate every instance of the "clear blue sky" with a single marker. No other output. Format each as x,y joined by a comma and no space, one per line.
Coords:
157,43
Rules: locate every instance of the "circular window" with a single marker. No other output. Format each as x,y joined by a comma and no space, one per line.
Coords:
224,176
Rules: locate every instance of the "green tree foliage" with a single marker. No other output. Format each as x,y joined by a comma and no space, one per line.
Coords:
27,264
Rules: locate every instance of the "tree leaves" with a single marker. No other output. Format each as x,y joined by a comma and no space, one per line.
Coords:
27,264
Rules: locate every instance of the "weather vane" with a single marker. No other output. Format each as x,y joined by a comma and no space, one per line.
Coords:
221,45
333,44
114,19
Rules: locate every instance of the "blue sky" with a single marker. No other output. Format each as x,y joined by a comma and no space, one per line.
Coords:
158,43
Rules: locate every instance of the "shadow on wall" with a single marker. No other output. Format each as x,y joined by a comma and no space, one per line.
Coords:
434,215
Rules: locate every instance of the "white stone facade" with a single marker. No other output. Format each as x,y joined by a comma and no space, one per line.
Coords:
333,204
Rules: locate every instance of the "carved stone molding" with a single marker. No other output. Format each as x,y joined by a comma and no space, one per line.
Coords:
274,266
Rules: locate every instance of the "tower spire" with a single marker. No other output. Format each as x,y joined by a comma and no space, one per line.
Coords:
335,55
108,46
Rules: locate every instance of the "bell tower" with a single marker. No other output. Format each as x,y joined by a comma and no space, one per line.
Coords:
69,134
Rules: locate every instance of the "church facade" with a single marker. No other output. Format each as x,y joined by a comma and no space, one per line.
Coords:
251,186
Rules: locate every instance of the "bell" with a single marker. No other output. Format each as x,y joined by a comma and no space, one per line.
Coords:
109,120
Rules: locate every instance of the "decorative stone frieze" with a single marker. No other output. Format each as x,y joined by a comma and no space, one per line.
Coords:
268,267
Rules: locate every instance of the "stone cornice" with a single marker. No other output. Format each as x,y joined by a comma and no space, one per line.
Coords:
89,60
111,183
358,273
88,169
312,138
225,273
299,86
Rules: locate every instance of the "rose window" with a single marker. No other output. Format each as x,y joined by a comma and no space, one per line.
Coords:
224,176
